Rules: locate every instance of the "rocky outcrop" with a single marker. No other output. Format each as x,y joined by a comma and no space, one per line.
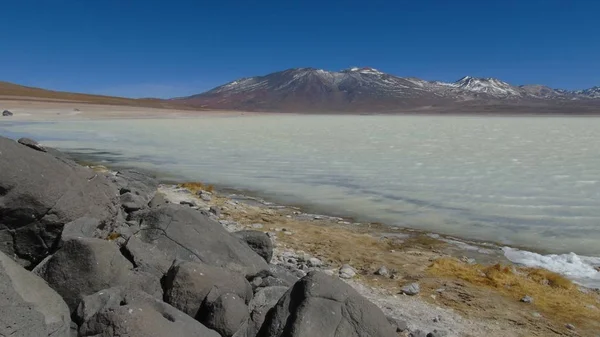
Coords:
122,312
187,234
28,306
39,194
322,305
258,242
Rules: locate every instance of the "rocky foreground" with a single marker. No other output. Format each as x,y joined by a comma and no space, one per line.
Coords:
86,253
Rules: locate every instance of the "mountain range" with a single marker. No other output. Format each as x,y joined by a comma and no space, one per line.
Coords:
354,90
371,91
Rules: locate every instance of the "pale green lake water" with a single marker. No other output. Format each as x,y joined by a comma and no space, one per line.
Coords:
526,181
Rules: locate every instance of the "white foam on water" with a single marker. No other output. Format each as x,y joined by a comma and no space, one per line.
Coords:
580,269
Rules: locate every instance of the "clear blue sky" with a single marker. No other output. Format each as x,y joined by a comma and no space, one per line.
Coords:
170,48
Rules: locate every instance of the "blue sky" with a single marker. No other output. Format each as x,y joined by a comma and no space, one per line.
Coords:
172,48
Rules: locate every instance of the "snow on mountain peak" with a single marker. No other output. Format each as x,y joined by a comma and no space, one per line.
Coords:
363,70
488,85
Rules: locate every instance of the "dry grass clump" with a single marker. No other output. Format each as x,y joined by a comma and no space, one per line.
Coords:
113,236
196,187
553,294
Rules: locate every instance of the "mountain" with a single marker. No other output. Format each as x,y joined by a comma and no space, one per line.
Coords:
370,90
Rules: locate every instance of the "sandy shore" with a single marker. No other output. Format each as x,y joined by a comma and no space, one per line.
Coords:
36,110
466,288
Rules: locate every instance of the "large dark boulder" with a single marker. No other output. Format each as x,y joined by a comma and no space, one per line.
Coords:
323,305
123,312
6,113
258,242
28,306
39,194
146,257
188,284
187,234
84,266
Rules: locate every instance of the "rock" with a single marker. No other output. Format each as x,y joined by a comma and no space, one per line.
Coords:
189,235
263,301
136,182
258,242
28,306
158,200
6,113
398,324
347,272
146,257
257,225
215,210
81,228
121,312
411,289
527,299
314,262
205,197
132,202
84,266
322,305
570,326
40,193
188,203
32,144
224,313
277,275
437,319
383,271
437,333
187,285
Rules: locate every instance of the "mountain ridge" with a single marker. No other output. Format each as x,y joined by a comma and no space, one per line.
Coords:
366,89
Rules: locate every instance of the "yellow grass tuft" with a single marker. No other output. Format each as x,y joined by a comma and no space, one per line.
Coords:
553,294
113,236
195,187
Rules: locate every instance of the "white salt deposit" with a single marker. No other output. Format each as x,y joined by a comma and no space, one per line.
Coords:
580,269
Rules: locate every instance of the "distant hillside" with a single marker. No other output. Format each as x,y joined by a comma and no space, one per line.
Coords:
11,91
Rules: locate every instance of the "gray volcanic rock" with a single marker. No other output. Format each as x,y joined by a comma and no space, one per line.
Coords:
258,241
40,193
224,313
28,306
84,266
122,312
264,299
6,113
187,234
188,284
32,144
146,257
322,305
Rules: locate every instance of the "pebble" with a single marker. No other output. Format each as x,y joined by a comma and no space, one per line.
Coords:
399,324
570,326
527,299
205,197
440,290
347,272
257,225
437,319
314,262
383,271
288,233
411,289
187,203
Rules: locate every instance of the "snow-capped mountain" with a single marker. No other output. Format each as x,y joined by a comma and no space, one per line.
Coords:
590,93
365,89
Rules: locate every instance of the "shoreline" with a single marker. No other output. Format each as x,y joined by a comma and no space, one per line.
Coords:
411,256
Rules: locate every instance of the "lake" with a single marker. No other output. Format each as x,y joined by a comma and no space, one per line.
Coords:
520,181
